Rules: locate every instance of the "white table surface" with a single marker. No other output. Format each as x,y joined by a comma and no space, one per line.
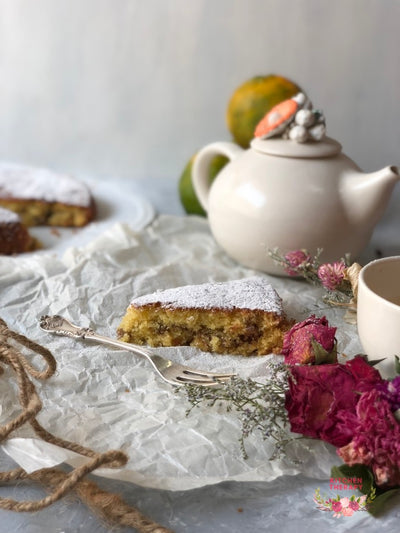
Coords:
232,507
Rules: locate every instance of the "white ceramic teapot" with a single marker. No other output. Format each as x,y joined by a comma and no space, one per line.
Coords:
286,195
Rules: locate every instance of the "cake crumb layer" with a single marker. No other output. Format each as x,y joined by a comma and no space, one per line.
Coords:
242,317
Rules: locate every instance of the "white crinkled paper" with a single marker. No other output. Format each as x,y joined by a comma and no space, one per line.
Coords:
105,398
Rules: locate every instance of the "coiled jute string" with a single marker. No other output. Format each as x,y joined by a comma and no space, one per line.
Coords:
108,506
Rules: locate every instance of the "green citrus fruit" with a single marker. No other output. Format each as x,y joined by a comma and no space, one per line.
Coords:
252,100
187,193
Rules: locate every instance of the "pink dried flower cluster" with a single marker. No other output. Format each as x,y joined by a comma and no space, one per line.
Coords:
341,506
348,405
332,275
347,507
336,277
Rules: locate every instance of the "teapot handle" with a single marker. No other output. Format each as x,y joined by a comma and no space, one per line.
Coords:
201,165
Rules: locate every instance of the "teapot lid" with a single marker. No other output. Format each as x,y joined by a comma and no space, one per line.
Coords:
327,147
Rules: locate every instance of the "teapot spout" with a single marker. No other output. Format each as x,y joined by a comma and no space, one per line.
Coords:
366,196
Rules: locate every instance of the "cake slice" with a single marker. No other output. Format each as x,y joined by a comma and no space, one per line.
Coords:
14,237
43,197
243,317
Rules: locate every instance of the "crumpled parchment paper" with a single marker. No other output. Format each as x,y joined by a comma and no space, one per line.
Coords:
109,399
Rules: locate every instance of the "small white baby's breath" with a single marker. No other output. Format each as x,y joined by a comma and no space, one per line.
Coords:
259,406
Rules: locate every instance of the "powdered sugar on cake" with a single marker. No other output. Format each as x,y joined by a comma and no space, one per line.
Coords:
248,293
8,217
28,183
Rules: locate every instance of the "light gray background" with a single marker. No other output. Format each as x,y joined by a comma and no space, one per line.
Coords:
132,88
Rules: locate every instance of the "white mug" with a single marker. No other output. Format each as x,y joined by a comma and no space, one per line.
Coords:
378,312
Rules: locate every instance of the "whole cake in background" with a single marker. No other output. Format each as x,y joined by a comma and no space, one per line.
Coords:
241,317
42,197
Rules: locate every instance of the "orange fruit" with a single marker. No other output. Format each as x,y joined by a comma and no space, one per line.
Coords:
252,100
187,193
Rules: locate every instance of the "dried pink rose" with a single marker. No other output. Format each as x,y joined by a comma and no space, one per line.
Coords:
322,399
302,342
331,275
376,439
295,260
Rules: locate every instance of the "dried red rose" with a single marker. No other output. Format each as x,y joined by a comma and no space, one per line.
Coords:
308,341
376,439
322,399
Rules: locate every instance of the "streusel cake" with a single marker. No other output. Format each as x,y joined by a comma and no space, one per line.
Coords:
243,317
43,197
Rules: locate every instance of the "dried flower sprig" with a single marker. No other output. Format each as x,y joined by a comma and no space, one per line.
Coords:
259,406
338,279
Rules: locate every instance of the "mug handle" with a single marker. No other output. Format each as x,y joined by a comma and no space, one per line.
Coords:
201,165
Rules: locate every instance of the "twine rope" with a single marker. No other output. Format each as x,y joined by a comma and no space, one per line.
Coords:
110,507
